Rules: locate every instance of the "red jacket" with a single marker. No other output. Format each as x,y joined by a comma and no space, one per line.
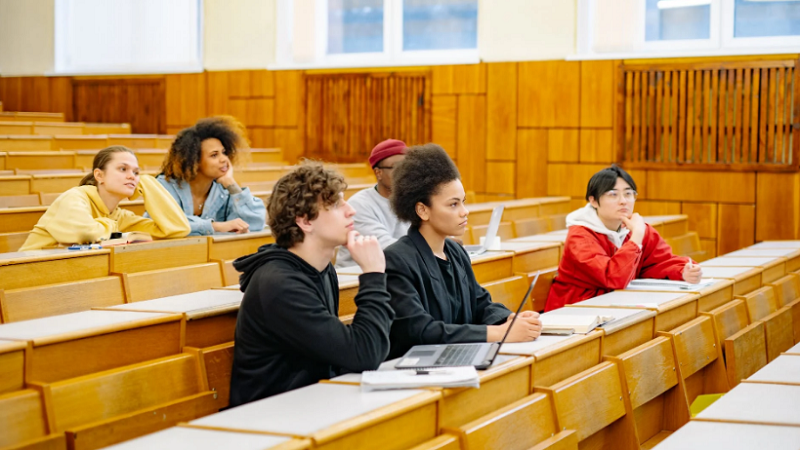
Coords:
593,266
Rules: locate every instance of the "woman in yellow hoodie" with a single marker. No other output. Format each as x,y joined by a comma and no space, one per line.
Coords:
89,213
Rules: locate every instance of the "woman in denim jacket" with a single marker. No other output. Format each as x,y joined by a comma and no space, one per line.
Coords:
198,173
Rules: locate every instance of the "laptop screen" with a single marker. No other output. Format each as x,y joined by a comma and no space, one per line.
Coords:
521,305
494,225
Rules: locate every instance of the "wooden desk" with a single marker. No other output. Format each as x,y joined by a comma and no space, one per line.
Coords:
185,438
785,369
12,366
156,255
557,358
792,255
98,340
745,279
348,288
630,327
731,436
669,226
40,267
20,219
774,267
794,350
532,256
338,416
506,381
231,246
553,236
492,266
767,404
350,270
775,244
712,296
210,315
673,308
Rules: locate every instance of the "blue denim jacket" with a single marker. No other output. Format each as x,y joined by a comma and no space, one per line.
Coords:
220,206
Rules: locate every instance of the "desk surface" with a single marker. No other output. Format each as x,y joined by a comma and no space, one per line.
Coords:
623,317
776,244
195,438
11,346
347,281
46,255
639,299
794,350
308,410
541,343
725,261
658,220
732,273
490,256
195,305
764,253
783,369
731,436
389,365
771,404
76,325
227,237
350,270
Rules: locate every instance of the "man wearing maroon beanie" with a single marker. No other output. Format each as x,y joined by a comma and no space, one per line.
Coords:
374,215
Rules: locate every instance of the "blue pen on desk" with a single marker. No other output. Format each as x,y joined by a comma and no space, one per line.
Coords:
85,247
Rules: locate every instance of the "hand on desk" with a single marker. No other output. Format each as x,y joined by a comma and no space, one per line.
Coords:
526,328
692,273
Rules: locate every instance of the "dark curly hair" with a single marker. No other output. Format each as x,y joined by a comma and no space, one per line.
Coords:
418,177
299,193
185,153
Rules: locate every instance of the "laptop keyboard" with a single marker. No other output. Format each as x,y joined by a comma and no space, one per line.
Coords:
458,355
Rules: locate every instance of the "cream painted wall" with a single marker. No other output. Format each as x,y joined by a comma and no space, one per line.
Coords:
523,30
238,34
26,37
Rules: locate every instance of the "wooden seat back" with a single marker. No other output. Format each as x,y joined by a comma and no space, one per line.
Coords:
119,404
15,185
16,127
745,352
174,281
23,422
133,141
699,355
216,364
161,254
445,441
82,142
11,242
19,201
106,128
12,365
531,226
729,318
518,426
779,331
58,128
509,291
760,303
31,116
557,222
55,182
591,403
61,298
14,220
687,245
30,143
787,289
657,400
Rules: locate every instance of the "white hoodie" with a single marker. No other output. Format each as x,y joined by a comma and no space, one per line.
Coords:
587,217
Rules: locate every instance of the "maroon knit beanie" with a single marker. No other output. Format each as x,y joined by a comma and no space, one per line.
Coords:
385,149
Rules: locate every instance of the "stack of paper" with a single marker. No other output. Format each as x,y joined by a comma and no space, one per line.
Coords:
645,284
449,377
568,324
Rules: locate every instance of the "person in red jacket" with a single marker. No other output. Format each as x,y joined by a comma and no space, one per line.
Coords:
608,245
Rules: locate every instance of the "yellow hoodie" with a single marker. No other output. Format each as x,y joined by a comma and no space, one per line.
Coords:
79,215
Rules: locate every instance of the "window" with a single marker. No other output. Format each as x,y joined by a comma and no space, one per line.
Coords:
127,36
376,32
688,27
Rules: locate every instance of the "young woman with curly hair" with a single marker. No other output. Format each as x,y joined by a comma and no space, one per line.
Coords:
435,296
198,172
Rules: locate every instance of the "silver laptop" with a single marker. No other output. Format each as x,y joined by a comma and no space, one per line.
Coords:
480,355
491,233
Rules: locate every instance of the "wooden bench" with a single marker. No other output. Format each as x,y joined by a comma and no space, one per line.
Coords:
558,357
756,403
42,267
106,128
151,157
133,141
670,225
530,257
32,116
709,297
338,416
792,255
60,298
51,160
11,242
629,328
95,339
201,439
531,226
217,364
492,266
19,201
15,185
787,294
687,245
265,155
102,409
210,315
157,255
732,436
672,308
774,267
442,442
24,422
591,403
348,289
16,128
785,369
232,246
152,284
762,306
262,174
58,128
655,398
505,230
55,182
508,291
559,236
12,366
22,143
83,142
744,344
745,279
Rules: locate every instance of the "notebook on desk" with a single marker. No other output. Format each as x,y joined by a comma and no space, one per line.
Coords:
480,355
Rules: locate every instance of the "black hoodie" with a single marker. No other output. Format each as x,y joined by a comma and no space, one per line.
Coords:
288,335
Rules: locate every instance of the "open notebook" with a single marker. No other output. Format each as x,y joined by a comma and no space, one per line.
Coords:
649,284
564,324
447,377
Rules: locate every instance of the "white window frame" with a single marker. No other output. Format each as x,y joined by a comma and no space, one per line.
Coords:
392,54
721,41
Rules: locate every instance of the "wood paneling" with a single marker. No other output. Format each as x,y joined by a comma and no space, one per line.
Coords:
287,97
260,112
460,79
287,139
778,205
237,107
500,177
262,83
563,145
549,94
217,93
501,103
597,93
471,145
239,83
736,227
702,218
531,163
138,101
186,99
654,208
570,179
444,110
696,186
596,146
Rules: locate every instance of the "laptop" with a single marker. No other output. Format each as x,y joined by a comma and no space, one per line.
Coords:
480,355
491,233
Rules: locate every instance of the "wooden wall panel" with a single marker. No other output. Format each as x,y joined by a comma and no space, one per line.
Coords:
596,146
736,227
710,247
500,177
185,98
471,145
563,145
570,179
501,103
549,94
11,93
217,93
696,186
444,110
260,112
459,79
531,163
262,137
138,101
287,97
37,94
237,107
597,93
262,83
239,83
61,97
287,139
778,205
702,218
655,208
